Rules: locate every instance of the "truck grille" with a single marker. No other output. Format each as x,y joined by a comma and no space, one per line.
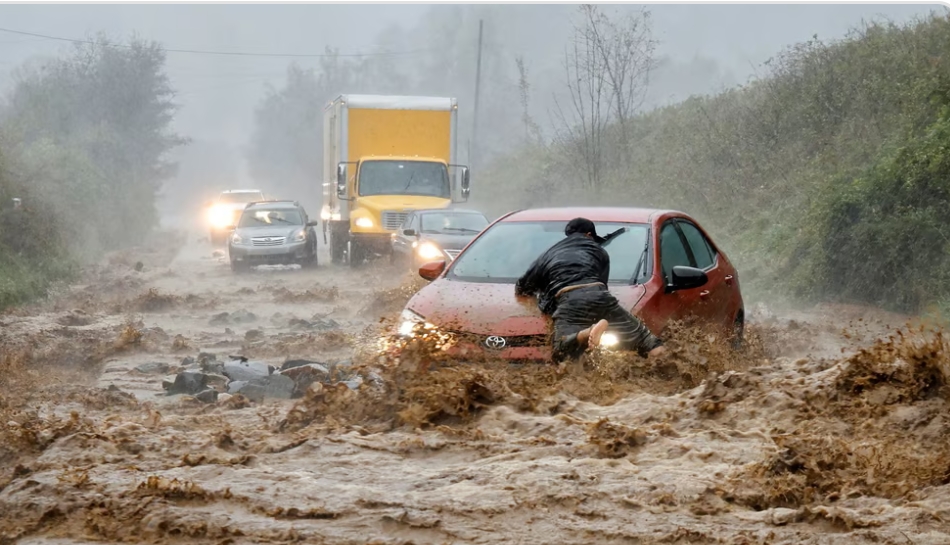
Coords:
267,241
453,253
392,219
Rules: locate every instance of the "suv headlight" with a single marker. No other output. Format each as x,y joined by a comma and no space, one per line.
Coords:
300,235
427,250
236,239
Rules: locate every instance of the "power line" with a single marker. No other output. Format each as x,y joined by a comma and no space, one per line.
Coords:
226,53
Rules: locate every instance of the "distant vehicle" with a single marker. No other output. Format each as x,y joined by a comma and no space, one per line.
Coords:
427,235
273,232
226,210
385,156
664,267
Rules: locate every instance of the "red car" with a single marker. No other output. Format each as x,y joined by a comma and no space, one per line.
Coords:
663,267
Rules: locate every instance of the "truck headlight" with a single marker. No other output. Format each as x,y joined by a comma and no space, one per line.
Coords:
427,250
300,236
365,223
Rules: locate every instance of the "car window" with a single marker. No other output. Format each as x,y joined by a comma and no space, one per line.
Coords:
452,223
698,244
672,251
505,251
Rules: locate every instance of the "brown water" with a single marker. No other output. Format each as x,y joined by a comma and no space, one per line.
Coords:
831,427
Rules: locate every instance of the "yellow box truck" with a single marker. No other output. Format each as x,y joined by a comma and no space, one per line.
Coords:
384,156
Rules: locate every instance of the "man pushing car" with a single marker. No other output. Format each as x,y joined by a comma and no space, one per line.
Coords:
570,283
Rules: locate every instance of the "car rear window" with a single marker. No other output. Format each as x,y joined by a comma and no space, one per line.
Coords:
505,251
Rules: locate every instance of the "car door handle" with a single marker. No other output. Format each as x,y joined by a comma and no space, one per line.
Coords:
704,293
729,280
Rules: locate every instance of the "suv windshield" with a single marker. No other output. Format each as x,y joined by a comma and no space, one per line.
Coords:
504,252
242,196
404,178
453,223
274,216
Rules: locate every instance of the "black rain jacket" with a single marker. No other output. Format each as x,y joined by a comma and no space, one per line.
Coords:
574,260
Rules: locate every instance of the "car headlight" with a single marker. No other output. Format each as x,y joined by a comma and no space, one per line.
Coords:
300,236
427,250
219,216
236,239
609,340
365,223
408,321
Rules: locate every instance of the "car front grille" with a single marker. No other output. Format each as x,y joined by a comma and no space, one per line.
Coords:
393,219
519,341
267,241
453,253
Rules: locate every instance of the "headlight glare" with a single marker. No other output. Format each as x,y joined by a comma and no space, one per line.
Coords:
609,340
428,250
365,223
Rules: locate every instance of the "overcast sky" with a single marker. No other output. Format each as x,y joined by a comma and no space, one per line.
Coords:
707,47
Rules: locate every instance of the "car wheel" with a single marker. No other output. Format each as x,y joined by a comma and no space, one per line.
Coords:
310,261
239,266
738,330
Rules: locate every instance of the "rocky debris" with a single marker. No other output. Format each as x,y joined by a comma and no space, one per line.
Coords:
187,361
207,396
188,382
314,324
75,318
154,368
255,380
246,370
229,318
253,335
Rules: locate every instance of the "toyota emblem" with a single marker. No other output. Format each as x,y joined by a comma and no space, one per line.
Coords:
268,239
495,342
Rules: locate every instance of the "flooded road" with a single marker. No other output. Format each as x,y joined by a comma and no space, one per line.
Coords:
830,427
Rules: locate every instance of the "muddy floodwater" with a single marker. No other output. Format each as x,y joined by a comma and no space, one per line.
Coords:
831,426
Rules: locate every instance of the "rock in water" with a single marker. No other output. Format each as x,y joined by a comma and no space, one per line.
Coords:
207,396
246,370
153,368
305,375
273,387
188,382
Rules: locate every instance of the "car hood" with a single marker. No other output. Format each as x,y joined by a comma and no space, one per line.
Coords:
489,309
448,242
269,231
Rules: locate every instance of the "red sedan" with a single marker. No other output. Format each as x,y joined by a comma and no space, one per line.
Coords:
663,267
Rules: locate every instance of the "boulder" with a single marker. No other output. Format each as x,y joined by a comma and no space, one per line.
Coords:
269,387
246,370
153,368
188,382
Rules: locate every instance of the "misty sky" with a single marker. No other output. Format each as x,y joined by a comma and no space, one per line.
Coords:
218,94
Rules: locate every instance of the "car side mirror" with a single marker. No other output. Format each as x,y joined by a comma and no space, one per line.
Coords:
431,271
313,223
686,278
466,183
341,180
409,232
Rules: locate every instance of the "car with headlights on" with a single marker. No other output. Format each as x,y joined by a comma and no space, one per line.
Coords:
663,267
432,234
225,211
273,232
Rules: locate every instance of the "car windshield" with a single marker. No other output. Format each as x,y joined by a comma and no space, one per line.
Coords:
404,178
274,216
505,251
243,196
453,223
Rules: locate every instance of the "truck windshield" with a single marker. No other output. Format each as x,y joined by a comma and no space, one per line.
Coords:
423,178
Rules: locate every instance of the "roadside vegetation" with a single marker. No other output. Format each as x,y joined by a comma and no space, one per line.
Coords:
828,176
82,143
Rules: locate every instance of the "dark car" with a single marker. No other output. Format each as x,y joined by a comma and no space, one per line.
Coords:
273,232
664,267
430,235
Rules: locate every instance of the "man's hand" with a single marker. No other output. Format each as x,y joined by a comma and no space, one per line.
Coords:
656,352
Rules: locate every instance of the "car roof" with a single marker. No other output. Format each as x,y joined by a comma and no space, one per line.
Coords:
241,191
273,204
593,213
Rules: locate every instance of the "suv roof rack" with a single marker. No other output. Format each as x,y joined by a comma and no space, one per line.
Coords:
250,204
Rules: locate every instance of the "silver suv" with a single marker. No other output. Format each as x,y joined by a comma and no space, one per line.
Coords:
273,232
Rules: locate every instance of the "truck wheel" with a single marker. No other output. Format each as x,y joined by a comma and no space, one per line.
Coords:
337,244
354,254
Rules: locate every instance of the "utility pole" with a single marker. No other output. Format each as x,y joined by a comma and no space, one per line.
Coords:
478,79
